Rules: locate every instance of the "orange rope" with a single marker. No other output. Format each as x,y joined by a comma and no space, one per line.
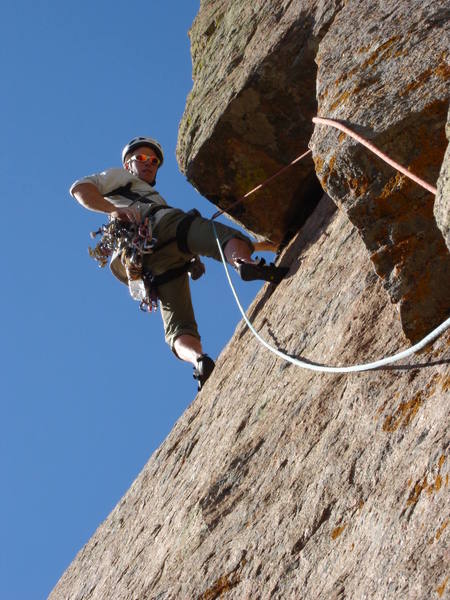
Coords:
261,185
375,150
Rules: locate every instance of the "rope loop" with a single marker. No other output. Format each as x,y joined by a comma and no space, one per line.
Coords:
323,368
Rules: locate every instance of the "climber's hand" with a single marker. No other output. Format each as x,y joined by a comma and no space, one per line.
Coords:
129,213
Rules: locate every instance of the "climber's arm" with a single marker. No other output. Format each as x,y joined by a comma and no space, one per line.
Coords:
88,196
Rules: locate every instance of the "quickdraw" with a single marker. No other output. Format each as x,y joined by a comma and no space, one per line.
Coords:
131,241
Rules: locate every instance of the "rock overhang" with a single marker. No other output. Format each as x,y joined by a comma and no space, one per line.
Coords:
383,70
250,115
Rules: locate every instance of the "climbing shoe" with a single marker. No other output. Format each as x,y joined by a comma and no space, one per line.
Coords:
259,270
205,366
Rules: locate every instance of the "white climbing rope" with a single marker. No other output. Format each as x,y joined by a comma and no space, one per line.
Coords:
323,368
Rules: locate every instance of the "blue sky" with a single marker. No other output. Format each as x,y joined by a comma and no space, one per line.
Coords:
88,389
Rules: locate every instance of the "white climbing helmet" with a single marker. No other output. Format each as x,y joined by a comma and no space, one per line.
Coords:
143,141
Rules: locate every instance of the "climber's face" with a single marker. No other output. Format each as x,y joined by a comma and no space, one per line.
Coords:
144,163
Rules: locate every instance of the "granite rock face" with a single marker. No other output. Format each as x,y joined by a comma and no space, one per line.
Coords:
279,482
442,203
282,483
383,70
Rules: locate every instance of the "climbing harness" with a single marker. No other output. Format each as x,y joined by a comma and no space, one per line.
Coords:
193,267
131,242
307,364
127,192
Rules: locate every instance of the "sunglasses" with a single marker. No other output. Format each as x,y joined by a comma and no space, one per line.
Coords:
145,158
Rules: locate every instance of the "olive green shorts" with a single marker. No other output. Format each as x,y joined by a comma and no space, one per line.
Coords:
174,296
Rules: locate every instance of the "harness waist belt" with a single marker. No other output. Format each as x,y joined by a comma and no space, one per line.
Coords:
154,209
156,280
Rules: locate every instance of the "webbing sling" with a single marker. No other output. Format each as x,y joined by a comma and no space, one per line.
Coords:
126,192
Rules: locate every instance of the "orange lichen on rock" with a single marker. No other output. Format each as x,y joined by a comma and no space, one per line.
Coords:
224,584
337,531
221,586
331,163
441,529
324,169
382,52
393,185
359,186
423,485
442,71
404,414
318,164
417,490
340,100
417,83
441,589
436,486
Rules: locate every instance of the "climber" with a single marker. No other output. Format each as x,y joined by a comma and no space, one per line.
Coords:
128,194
